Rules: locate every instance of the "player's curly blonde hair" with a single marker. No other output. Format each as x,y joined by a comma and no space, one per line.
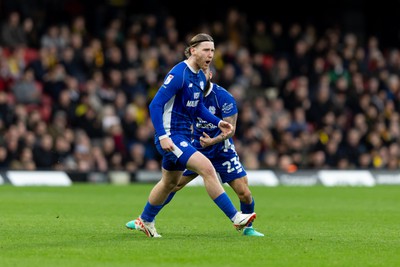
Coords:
198,38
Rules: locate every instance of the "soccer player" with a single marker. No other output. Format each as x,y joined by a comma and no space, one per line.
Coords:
173,110
220,149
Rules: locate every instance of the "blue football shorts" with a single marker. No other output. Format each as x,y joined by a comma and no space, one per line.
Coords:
227,165
177,159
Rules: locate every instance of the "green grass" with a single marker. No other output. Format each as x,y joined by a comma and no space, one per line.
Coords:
84,225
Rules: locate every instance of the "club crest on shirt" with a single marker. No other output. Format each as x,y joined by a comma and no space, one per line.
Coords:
211,109
202,85
196,95
169,79
183,144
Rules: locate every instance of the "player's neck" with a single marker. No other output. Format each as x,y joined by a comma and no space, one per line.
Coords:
192,64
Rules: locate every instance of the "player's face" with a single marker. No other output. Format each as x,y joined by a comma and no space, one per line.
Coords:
204,54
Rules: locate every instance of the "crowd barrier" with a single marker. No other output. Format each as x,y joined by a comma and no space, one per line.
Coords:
256,178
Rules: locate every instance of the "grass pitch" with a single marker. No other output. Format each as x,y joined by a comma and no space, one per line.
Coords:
84,225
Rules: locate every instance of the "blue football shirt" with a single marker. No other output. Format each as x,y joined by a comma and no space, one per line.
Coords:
179,101
222,104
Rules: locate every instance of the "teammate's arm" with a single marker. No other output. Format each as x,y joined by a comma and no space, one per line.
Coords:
206,140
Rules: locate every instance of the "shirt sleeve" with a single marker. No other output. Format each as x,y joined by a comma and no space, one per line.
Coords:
228,105
172,84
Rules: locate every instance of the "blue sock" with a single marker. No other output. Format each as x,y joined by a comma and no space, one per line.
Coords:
247,208
150,212
225,204
169,198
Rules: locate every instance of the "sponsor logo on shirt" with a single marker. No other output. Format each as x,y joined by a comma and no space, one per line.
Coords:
169,79
226,107
192,103
202,124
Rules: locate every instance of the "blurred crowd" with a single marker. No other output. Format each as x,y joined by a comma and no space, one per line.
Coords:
72,99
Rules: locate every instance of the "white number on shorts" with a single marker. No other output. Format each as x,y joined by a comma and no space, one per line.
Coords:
236,165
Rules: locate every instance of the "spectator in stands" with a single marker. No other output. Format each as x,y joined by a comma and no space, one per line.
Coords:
62,152
12,32
4,158
260,40
31,33
52,38
43,154
27,90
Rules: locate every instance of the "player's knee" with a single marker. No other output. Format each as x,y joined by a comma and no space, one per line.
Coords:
170,185
245,197
207,171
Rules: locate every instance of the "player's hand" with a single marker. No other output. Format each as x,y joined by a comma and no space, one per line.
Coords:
206,140
167,144
225,127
